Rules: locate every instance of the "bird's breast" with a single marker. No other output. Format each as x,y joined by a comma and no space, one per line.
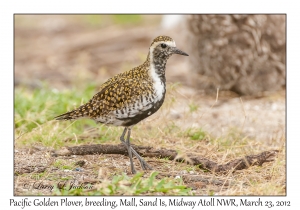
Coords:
158,82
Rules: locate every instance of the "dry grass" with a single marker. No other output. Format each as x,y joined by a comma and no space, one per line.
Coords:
176,126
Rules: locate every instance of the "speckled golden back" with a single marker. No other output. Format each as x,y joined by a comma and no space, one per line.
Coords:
121,91
117,93
140,72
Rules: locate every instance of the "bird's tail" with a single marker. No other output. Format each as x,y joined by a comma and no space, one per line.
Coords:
65,116
74,114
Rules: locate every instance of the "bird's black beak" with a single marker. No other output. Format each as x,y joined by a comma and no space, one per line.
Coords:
177,51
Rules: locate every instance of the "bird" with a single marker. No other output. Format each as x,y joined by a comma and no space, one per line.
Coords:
131,96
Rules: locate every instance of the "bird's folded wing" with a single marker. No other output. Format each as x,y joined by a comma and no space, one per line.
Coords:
117,95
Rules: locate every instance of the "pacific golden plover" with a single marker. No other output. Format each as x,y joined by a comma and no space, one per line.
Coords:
131,96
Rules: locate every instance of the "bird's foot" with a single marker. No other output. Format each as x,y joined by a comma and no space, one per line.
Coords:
144,164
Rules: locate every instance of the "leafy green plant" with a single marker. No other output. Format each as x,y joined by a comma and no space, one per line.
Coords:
136,185
196,134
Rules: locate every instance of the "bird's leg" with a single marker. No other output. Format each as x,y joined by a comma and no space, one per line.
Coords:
127,145
129,151
122,137
144,164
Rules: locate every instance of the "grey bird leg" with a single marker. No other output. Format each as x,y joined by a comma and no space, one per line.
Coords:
143,163
127,144
129,150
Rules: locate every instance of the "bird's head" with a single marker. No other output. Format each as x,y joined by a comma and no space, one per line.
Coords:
163,47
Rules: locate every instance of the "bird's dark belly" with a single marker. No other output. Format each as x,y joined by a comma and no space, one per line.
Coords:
143,114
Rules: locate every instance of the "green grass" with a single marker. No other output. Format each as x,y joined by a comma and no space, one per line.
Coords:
193,107
35,110
36,107
136,185
196,134
60,164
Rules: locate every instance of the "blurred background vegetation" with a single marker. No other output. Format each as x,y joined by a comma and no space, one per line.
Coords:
61,50
244,54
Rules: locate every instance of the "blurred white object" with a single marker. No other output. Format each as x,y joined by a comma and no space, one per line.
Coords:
170,21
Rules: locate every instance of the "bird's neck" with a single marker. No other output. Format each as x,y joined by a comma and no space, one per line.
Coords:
157,68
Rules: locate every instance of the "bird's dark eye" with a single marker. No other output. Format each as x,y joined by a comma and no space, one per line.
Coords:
163,45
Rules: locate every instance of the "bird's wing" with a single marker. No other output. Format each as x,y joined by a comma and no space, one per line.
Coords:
118,94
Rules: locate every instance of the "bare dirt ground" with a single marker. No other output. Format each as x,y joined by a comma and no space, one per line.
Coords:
53,50
101,167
